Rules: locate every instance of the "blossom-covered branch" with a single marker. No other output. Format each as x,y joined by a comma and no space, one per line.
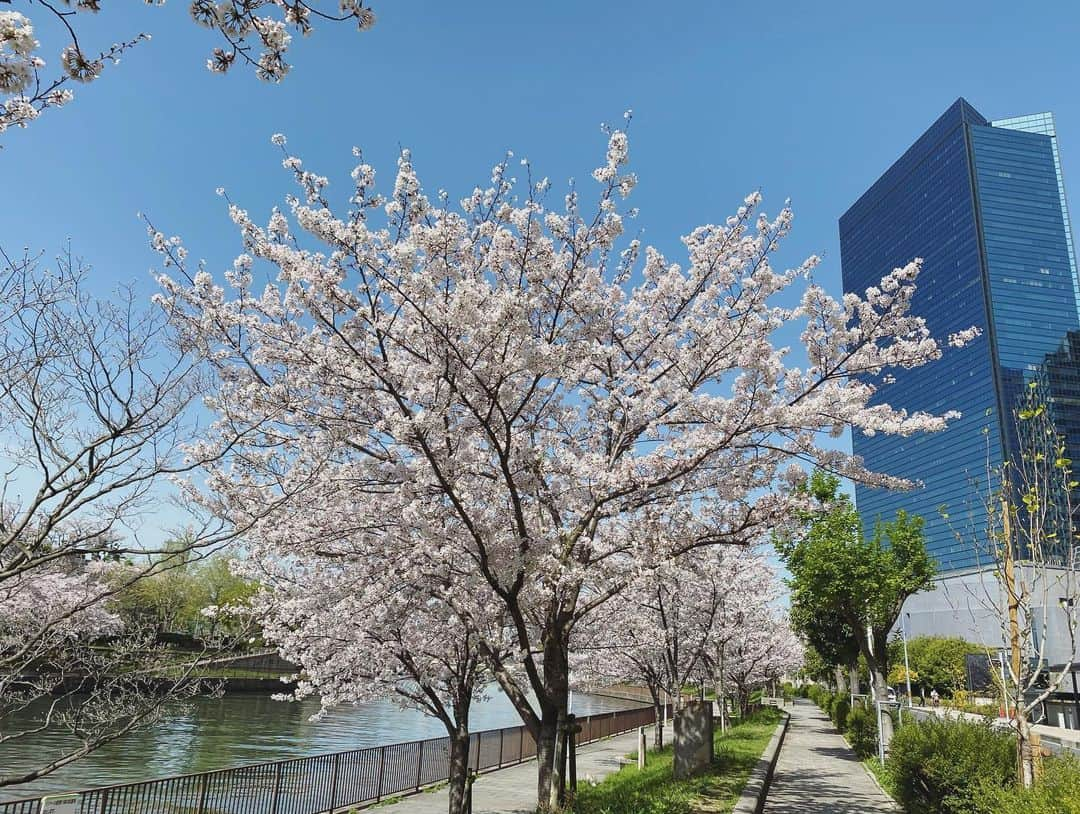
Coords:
255,33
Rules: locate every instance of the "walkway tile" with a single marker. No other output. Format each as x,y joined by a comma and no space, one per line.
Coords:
818,773
513,790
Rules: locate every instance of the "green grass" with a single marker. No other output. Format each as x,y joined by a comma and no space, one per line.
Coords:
654,791
882,774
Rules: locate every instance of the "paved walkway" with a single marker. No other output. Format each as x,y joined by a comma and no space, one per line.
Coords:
513,790
818,773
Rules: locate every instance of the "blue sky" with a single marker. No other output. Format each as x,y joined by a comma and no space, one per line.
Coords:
807,101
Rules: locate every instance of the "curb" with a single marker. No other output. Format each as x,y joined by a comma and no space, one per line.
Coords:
752,799
895,806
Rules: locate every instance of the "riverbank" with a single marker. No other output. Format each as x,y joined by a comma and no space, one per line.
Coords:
216,733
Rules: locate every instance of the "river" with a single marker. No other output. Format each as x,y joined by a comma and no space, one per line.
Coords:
215,733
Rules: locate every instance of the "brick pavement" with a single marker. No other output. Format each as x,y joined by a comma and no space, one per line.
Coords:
818,773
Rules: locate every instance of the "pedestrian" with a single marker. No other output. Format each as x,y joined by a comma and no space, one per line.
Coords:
934,697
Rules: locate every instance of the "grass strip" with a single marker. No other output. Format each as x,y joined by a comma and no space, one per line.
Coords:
655,791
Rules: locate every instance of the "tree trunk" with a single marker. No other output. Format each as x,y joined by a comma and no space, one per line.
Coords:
881,694
658,713
549,747
841,681
1025,754
721,698
459,771
549,769
853,671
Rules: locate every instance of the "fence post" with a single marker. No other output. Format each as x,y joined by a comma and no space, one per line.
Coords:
479,739
420,766
104,801
203,783
277,787
641,748
382,766
521,744
333,781
502,733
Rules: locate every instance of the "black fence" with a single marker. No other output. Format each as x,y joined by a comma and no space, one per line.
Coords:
326,783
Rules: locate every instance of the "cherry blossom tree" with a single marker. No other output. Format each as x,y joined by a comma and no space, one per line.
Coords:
521,372
94,404
414,645
670,626
255,33
762,650
754,591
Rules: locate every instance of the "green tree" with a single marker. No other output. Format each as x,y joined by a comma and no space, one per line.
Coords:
937,662
173,598
863,583
831,637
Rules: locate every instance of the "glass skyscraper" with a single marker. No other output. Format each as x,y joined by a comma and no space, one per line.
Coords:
983,203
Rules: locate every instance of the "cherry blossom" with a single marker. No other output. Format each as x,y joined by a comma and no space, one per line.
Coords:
577,407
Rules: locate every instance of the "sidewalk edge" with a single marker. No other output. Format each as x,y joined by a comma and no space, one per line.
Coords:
752,798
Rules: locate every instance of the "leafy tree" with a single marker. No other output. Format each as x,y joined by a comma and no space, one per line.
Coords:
863,583
937,662
833,639
174,597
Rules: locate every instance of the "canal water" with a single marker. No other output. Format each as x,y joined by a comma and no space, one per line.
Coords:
217,733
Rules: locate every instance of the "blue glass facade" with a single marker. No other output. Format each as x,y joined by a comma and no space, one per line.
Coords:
982,205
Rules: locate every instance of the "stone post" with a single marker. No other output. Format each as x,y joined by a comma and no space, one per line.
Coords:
693,739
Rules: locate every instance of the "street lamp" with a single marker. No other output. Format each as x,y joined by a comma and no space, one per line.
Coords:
1067,606
907,669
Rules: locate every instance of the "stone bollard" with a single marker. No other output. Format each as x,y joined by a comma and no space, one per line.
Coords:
641,748
693,739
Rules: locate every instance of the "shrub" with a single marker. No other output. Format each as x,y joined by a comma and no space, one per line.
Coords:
840,711
937,765
1057,792
861,732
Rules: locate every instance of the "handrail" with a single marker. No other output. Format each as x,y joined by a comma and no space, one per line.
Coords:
324,783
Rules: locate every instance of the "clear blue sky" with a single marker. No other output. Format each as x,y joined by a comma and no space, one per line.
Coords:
807,101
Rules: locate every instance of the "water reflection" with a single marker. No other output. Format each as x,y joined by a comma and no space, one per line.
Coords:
215,733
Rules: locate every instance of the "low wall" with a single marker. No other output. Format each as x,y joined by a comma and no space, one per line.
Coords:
752,799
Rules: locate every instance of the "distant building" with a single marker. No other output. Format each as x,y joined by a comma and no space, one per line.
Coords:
983,203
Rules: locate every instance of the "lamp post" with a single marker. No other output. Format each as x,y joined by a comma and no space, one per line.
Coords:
874,695
1067,606
907,669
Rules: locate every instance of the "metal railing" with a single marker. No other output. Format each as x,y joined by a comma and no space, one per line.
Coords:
328,782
